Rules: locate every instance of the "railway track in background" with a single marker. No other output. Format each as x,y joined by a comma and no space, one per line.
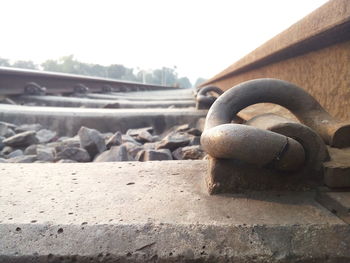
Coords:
63,104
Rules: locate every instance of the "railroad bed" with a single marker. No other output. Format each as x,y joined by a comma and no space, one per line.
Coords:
119,176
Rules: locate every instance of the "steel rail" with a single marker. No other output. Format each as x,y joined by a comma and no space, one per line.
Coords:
14,81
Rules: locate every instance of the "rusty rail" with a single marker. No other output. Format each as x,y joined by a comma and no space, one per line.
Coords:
17,81
313,53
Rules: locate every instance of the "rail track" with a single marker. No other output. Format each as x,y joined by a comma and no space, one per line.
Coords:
91,176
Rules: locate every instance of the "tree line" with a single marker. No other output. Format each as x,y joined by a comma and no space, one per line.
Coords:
68,64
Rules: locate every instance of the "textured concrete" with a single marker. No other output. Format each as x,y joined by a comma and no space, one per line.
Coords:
313,54
156,212
336,202
67,121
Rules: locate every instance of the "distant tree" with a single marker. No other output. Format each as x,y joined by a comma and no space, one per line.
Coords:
184,82
27,64
199,81
4,62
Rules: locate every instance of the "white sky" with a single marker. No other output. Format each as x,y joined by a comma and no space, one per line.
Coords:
200,37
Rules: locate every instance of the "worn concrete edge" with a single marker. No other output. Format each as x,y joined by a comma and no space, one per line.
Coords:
173,243
327,25
334,205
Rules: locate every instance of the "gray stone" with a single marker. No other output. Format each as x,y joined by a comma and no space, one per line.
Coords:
174,141
114,140
2,145
22,139
45,154
155,138
28,127
136,132
128,138
10,125
132,148
182,128
31,149
194,131
6,150
22,159
115,154
15,153
154,155
45,136
144,136
193,152
92,141
5,130
196,140
66,161
70,142
150,146
2,160
73,153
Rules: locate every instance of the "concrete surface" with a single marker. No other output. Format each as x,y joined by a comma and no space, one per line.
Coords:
67,121
336,202
156,212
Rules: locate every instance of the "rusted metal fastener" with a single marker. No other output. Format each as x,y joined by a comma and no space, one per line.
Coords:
255,146
32,88
315,149
295,99
81,88
204,100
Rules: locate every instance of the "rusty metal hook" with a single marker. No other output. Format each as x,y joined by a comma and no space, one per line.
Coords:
204,101
288,95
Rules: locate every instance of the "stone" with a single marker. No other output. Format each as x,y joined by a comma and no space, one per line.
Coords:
28,127
70,142
136,132
6,150
45,136
132,148
155,138
31,149
194,152
115,154
128,138
2,160
92,141
3,129
66,161
114,140
150,146
10,125
73,153
174,141
22,139
2,145
194,131
22,159
182,128
144,136
15,153
46,154
196,140
154,155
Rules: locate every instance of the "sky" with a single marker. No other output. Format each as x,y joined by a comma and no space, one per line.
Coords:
198,37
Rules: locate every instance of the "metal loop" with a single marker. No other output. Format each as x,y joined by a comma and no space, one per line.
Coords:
81,88
32,88
204,100
295,99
